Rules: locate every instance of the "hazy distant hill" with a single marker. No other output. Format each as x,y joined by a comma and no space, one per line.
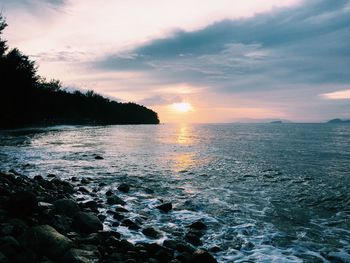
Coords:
28,99
338,121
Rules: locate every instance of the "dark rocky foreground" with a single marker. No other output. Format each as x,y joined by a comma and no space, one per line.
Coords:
42,221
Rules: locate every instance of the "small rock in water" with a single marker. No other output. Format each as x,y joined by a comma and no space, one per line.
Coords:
193,239
85,181
109,193
151,232
87,223
124,188
130,224
98,157
121,209
51,175
165,207
115,200
198,225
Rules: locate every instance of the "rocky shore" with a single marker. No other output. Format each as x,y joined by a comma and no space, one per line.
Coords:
44,220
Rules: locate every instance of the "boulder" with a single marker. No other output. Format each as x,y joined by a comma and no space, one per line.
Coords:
166,207
201,256
75,255
115,200
130,224
198,225
151,232
23,203
193,239
124,188
45,240
87,223
67,207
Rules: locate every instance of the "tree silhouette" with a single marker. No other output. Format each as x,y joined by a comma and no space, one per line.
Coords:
28,99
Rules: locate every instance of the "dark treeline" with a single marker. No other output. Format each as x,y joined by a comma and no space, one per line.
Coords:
28,99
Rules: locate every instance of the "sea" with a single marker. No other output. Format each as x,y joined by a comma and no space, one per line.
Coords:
267,192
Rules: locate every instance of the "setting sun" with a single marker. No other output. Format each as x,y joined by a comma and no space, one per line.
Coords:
182,107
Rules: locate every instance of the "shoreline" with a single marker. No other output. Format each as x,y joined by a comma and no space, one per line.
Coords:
48,220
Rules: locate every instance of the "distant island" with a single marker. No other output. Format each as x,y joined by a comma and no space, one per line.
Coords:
29,99
338,121
276,122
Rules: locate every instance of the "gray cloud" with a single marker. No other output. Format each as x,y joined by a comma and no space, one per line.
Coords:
304,44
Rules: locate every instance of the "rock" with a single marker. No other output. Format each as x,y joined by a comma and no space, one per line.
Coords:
51,176
98,157
61,223
23,203
45,240
201,256
121,209
193,239
9,246
85,181
151,232
166,207
67,207
124,188
3,258
198,225
215,249
38,178
130,224
109,193
87,222
75,255
83,190
115,200
74,179
91,204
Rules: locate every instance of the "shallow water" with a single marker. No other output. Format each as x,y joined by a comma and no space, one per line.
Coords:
268,192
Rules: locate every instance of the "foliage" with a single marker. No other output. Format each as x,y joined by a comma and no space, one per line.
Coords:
28,99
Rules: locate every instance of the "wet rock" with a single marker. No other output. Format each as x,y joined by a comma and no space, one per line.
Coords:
121,209
67,207
85,181
23,203
83,190
98,157
215,249
166,207
9,246
109,193
115,200
75,255
102,217
151,232
93,205
115,224
38,178
198,225
130,224
201,256
3,258
74,179
117,216
87,222
51,176
45,240
193,239
61,223
124,188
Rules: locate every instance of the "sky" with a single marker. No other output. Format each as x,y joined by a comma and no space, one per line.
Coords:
224,60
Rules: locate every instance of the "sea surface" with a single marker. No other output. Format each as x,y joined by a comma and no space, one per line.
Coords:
267,192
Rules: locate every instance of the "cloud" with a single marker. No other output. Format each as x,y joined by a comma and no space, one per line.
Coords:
304,44
337,95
